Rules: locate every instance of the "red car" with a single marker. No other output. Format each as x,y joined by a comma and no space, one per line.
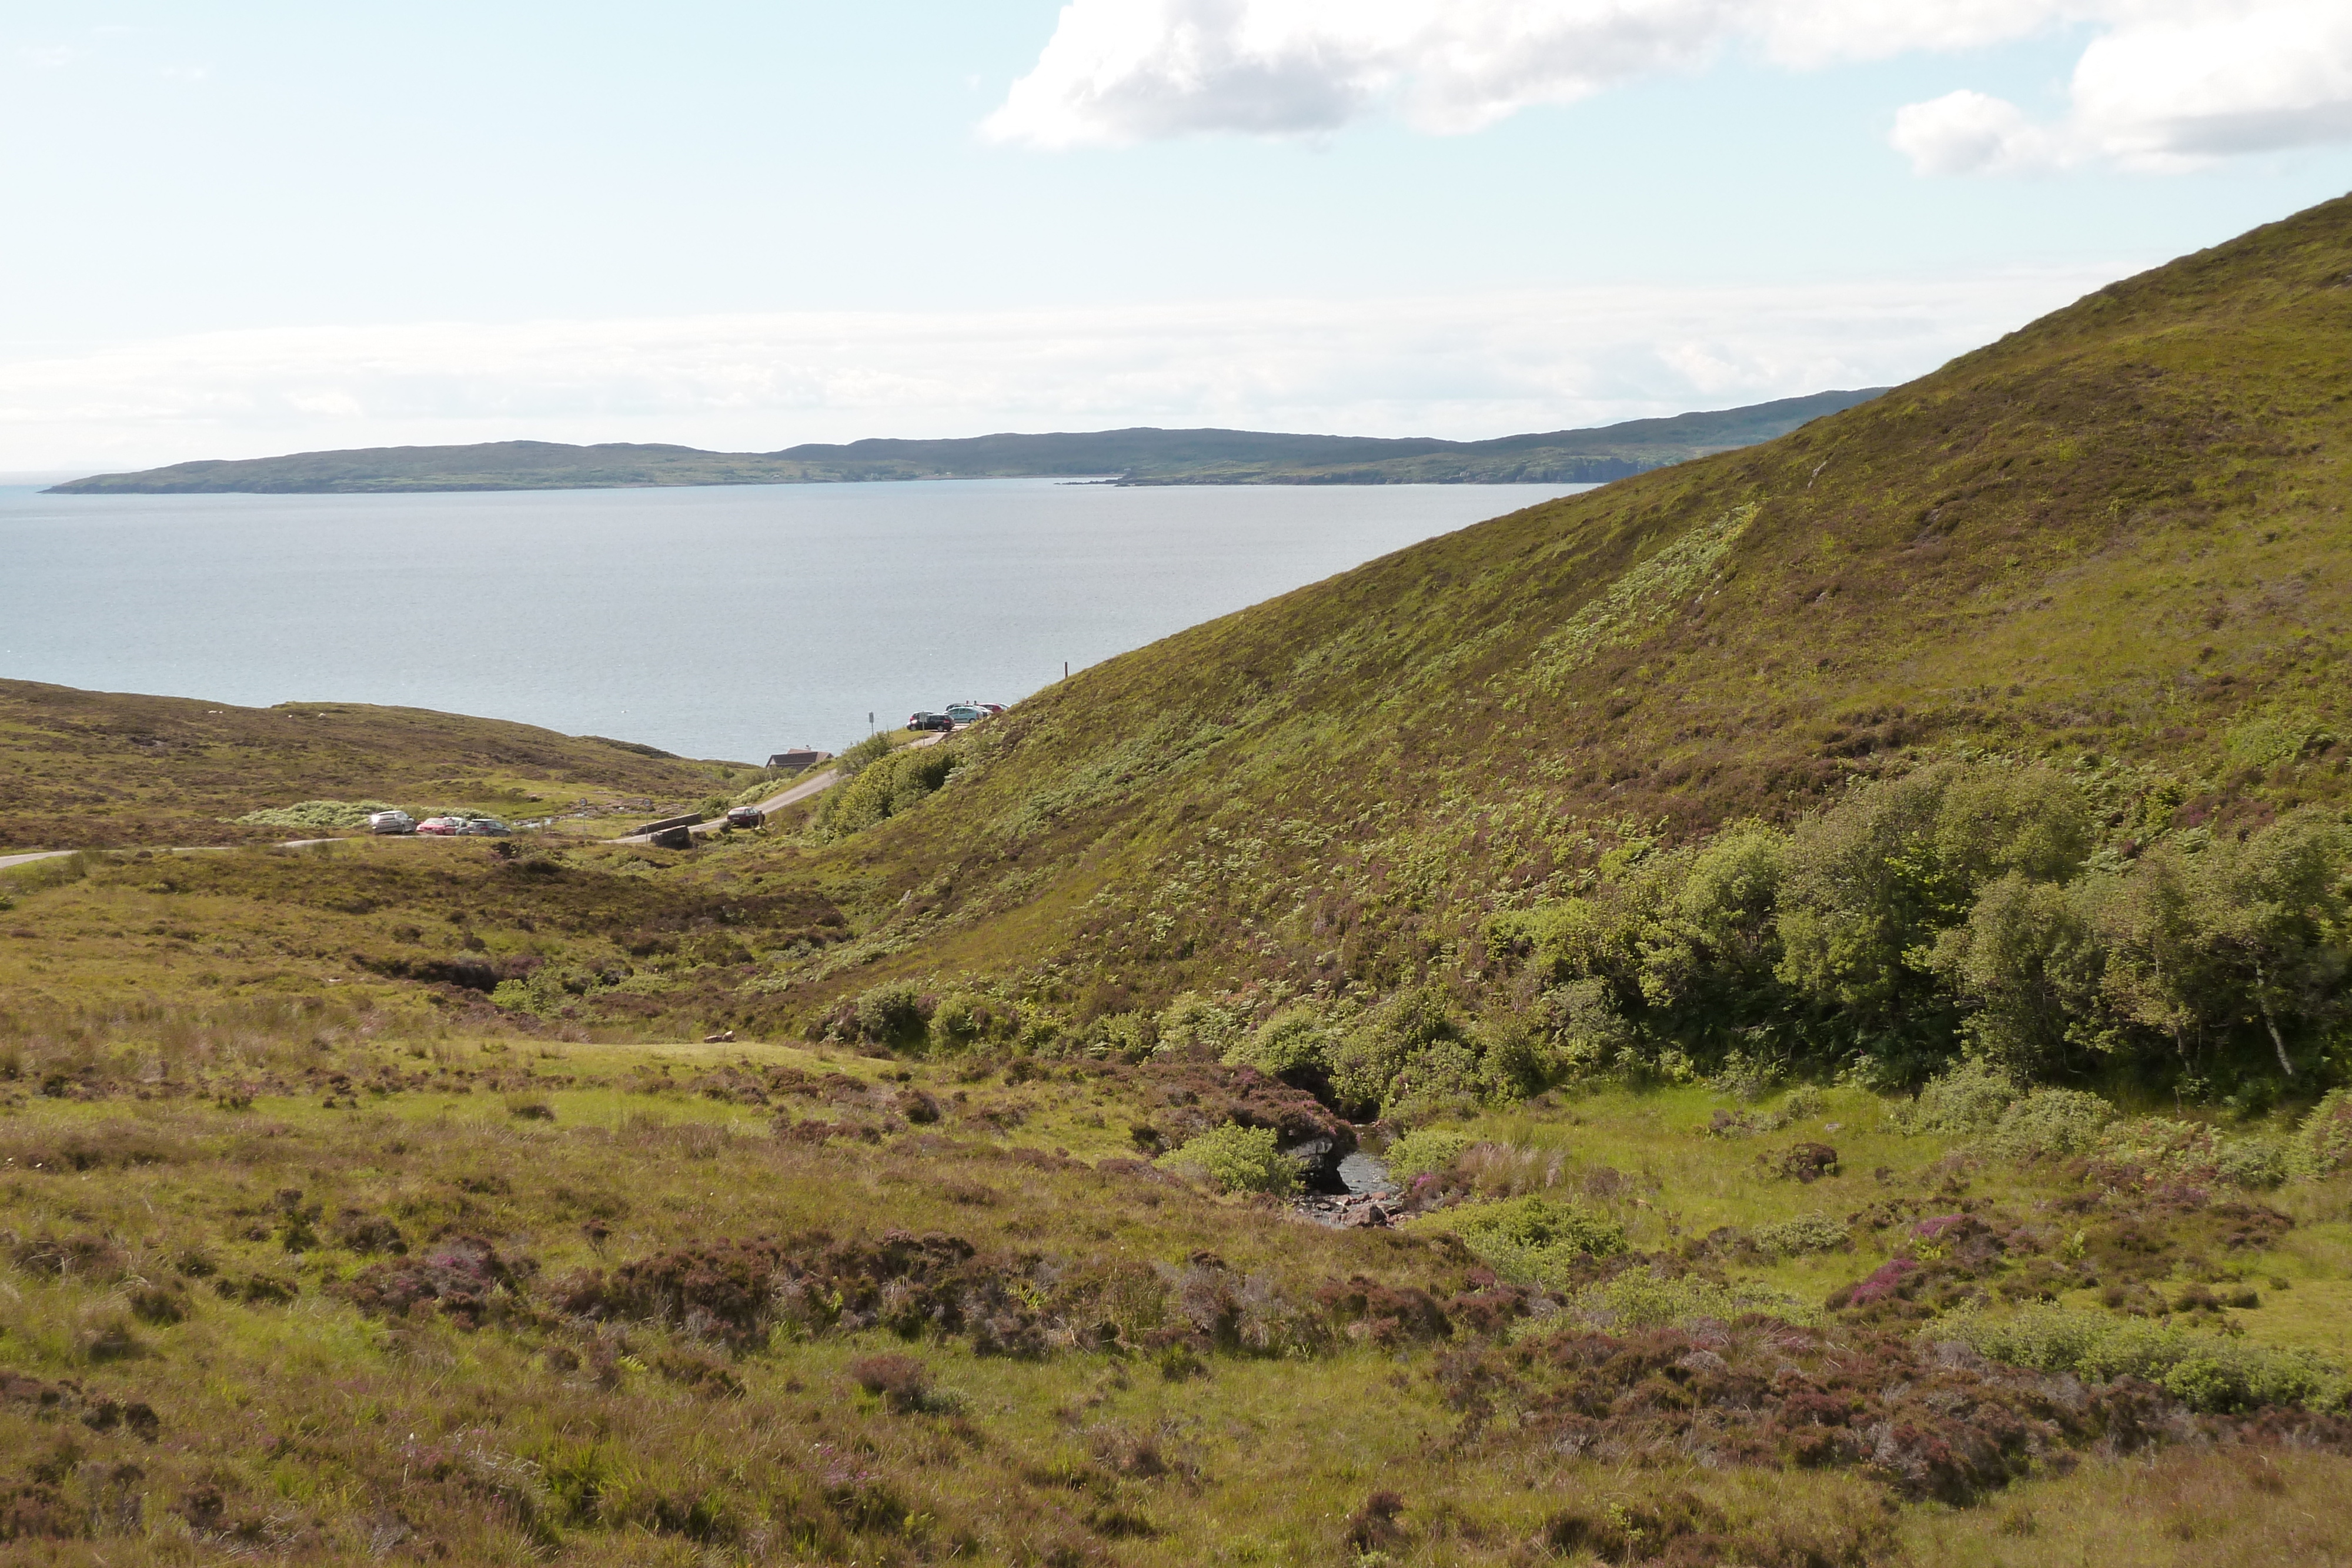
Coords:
445,826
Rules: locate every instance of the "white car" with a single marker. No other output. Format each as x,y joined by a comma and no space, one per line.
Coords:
391,822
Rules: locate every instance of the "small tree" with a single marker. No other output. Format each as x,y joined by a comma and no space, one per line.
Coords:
1238,1159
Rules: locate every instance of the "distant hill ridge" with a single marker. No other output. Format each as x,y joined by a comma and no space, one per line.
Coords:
1138,456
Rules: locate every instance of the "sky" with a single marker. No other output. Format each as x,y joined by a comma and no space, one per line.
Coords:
233,230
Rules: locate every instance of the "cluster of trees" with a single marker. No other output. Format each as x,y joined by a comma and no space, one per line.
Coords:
2055,927
880,783
1995,909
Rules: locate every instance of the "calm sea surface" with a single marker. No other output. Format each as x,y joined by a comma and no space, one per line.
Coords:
727,621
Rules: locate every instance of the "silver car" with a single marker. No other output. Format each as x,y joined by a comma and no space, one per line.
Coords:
391,822
484,827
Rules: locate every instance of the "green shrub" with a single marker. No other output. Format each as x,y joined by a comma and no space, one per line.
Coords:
1806,1233
964,1019
1192,1025
1803,1103
1238,1159
885,788
892,1014
1294,1040
1513,1060
859,757
2204,1371
1532,1239
2050,1123
1640,1299
1130,1037
2152,1149
548,988
1425,1149
1745,1077
1970,1098
319,816
1397,1052
2257,1163
2322,1143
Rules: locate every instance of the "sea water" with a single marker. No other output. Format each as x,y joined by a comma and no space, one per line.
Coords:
726,622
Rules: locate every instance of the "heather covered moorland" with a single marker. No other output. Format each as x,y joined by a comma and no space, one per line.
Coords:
1842,948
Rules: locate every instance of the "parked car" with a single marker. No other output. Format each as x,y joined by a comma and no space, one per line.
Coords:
484,827
966,713
744,817
391,822
930,721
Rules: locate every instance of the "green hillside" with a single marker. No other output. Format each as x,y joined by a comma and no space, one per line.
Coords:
2114,540
93,769
1140,456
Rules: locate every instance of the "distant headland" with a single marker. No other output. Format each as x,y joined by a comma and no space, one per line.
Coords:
1140,456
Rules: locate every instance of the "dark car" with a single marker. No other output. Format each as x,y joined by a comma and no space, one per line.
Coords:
744,817
930,721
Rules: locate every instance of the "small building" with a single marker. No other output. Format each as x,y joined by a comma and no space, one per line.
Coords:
794,760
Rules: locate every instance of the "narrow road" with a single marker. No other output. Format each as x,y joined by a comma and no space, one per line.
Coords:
817,784
801,791
7,861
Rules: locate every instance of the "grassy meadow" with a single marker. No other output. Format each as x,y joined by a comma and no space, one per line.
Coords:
319,1288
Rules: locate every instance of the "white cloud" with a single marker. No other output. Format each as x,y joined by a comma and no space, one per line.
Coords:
1464,367
2160,84
1968,132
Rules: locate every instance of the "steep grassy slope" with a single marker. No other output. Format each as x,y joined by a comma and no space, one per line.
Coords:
89,769
2117,538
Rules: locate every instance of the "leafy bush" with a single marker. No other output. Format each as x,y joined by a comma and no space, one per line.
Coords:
1968,1098
1531,1239
1642,1299
1425,1149
866,752
1130,1037
1961,904
885,788
2018,1123
318,815
1745,1077
1805,1233
2152,1150
965,1018
895,1014
1238,1159
2049,1123
2259,1163
1412,1054
2203,1371
1369,1067
1293,1043
2323,1143
1513,1063
1193,1025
